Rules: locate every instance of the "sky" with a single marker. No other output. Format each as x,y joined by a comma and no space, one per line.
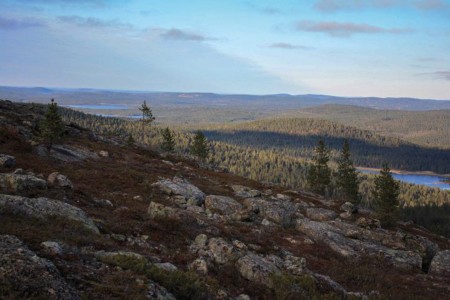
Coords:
384,48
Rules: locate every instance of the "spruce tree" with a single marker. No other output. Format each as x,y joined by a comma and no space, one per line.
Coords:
147,118
347,177
199,146
386,196
319,176
51,127
168,143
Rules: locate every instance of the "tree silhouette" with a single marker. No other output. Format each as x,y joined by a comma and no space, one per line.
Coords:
386,196
168,143
51,127
199,146
319,175
347,177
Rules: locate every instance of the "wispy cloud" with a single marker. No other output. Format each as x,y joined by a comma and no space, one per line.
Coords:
445,75
336,5
16,24
346,29
289,46
268,10
94,22
182,35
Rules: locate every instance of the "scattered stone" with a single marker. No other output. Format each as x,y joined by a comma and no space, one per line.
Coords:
25,273
222,205
42,208
245,192
283,197
348,207
200,240
167,266
57,179
368,223
200,266
256,269
52,248
157,210
138,198
111,256
440,265
221,251
103,153
118,237
294,265
182,187
242,297
103,203
281,213
18,183
320,214
7,161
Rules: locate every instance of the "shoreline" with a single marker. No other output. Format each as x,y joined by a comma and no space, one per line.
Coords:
446,177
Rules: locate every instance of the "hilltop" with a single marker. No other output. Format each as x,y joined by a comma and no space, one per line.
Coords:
96,218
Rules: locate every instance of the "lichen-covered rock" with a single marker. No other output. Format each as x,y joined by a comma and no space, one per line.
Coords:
222,251
348,207
167,266
60,180
25,275
222,205
112,256
157,210
294,265
368,223
42,208
256,269
440,265
182,187
200,266
67,153
18,183
320,214
282,213
157,292
52,248
7,161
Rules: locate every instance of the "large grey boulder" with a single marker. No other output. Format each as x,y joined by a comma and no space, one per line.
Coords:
67,153
257,269
440,265
245,192
42,208
222,205
157,210
18,183
282,213
158,292
26,275
7,161
320,214
181,187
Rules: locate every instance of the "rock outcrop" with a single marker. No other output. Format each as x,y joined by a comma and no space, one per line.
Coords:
222,205
42,208
257,269
60,180
19,183
181,187
7,161
25,275
440,265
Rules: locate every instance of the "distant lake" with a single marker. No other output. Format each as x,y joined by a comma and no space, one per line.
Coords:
428,180
99,106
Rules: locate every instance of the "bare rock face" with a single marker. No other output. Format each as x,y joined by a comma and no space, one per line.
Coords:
222,205
181,187
7,161
440,265
67,153
18,183
25,275
320,214
42,208
57,179
256,269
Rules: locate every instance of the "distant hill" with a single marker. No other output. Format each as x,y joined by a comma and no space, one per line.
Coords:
426,128
260,103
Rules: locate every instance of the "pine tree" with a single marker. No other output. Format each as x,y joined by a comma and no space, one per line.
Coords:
147,118
51,127
168,143
319,176
199,147
130,141
347,177
386,196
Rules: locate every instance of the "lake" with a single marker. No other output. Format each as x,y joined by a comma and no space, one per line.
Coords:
99,106
428,180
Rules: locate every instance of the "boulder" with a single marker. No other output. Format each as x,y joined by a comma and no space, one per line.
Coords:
60,180
7,161
440,264
18,183
182,187
221,251
23,274
201,240
294,265
167,266
42,208
281,213
320,214
256,269
348,207
67,153
368,223
157,292
245,192
200,266
222,205
157,210
52,248
103,153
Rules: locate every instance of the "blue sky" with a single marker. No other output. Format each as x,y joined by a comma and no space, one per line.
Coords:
339,47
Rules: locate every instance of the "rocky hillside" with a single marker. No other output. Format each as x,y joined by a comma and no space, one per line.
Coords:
95,219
